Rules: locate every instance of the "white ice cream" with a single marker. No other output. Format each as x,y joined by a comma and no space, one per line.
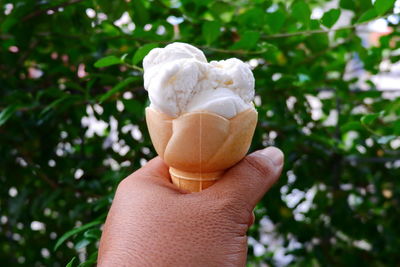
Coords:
179,79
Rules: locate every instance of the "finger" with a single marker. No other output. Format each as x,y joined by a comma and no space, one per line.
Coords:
155,168
252,219
252,177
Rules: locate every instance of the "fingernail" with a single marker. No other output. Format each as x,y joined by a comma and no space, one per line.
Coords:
274,154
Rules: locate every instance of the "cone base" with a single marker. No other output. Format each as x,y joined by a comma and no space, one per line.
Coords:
193,182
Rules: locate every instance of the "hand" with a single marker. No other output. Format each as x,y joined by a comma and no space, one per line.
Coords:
153,223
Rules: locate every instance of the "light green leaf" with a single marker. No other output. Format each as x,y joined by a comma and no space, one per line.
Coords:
381,6
118,88
367,16
107,61
142,52
330,18
71,262
68,234
7,113
301,11
123,57
211,31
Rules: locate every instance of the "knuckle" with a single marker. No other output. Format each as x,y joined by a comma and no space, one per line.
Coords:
127,183
259,165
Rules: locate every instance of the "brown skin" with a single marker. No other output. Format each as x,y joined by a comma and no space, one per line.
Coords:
153,223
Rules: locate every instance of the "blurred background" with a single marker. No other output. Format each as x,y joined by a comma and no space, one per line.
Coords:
327,92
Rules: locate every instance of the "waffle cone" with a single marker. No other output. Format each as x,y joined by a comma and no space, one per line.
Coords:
199,146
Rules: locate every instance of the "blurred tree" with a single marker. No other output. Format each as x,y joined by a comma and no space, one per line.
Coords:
72,121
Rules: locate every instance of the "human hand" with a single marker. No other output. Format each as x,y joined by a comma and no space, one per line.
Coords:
153,223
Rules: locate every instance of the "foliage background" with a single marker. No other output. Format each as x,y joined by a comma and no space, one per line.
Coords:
71,129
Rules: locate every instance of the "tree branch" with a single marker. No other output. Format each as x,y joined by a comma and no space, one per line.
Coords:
291,34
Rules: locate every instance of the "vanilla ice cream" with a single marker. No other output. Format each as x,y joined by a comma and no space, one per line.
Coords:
179,80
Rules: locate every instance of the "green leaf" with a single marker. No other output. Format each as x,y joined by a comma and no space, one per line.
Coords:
381,6
57,102
142,52
301,11
139,14
368,119
133,106
367,16
68,234
351,126
90,261
276,20
211,31
347,4
92,233
70,263
82,243
9,22
223,11
117,88
107,61
247,41
330,18
6,114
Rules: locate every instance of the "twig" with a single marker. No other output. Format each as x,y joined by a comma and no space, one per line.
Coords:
133,67
290,34
240,52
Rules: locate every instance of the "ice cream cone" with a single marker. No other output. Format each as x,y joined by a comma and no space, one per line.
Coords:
199,146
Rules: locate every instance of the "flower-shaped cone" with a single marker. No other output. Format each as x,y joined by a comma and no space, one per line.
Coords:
200,146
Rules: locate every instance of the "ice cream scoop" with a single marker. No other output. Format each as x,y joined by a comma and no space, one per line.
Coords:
201,118
179,80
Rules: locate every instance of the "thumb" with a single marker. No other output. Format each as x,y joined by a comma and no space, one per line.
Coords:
252,177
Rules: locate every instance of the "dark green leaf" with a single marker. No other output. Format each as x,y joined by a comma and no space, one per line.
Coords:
329,19
142,52
92,233
58,102
381,6
347,4
140,14
121,85
367,16
6,114
211,31
107,61
74,231
301,11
